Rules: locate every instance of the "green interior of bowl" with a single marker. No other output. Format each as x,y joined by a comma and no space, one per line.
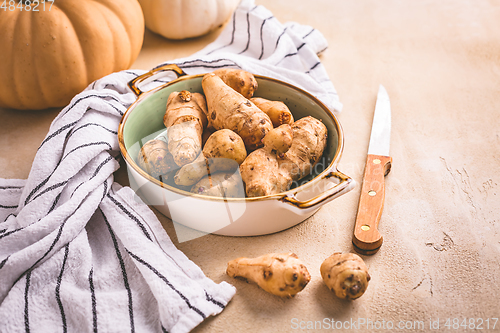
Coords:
145,120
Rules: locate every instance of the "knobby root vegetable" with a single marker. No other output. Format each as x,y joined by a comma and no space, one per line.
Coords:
241,81
345,274
185,117
279,140
222,184
276,110
155,158
226,144
223,151
229,109
265,172
281,274
260,171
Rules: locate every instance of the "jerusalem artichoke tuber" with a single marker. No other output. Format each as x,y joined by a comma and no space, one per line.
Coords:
276,110
260,171
185,117
281,274
223,151
155,159
279,139
221,184
265,173
345,274
229,109
241,81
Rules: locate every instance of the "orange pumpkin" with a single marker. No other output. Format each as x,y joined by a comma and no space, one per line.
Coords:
48,56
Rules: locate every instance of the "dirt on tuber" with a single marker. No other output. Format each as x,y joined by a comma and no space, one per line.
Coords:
346,275
281,274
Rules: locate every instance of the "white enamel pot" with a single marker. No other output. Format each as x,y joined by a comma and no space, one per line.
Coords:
231,216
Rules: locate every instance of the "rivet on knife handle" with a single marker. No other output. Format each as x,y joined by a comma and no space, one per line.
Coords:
367,239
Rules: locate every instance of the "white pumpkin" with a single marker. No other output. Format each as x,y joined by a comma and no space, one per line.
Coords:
179,19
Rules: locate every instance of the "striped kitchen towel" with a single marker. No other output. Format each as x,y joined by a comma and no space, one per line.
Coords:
80,253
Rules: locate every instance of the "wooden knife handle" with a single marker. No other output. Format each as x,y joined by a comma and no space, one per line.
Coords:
367,239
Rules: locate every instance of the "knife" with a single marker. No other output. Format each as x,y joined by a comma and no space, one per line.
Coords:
366,238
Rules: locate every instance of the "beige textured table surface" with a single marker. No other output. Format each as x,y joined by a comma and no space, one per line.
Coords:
440,62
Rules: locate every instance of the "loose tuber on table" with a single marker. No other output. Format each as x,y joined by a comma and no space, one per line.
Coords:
346,275
281,274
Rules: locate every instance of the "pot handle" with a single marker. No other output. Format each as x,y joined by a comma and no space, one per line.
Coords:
345,184
134,84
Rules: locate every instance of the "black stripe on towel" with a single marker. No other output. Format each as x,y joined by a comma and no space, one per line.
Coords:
310,32
248,31
51,188
124,272
163,329
40,185
56,133
94,95
130,215
232,36
58,290
92,297
162,277
183,64
314,66
8,207
88,145
323,50
58,236
131,73
210,66
95,174
11,214
3,262
10,233
261,37
279,37
100,166
11,187
56,200
91,124
76,188
211,299
26,309
3,230
286,56
291,54
105,189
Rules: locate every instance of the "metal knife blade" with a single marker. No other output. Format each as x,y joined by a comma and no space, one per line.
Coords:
380,137
366,237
